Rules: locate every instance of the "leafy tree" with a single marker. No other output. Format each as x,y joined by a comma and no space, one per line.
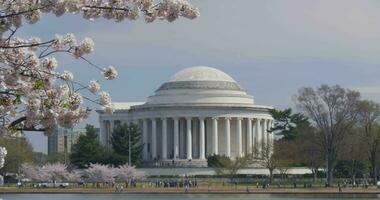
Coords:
281,155
286,155
310,152
87,149
56,157
369,115
19,152
333,111
123,136
350,169
39,158
268,159
115,159
352,155
224,165
287,123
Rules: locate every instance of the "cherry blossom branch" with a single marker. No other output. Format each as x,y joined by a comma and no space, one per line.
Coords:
25,11
10,35
39,97
91,63
107,8
26,45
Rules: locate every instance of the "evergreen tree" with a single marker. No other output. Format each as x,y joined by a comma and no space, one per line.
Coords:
87,149
122,136
287,124
19,151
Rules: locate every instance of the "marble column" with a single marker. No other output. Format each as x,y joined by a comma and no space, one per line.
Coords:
215,136
202,138
176,138
249,136
239,138
154,138
228,137
188,139
258,144
145,139
164,139
271,135
269,127
264,134
182,138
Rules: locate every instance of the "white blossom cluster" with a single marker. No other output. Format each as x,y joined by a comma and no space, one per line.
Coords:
57,172
37,94
29,80
3,154
106,173
96,173
117,10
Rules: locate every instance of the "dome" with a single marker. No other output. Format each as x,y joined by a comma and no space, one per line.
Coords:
201,73
200,77
202,86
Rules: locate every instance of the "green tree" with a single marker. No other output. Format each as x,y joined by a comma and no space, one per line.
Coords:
56,157
39,158
352,155
87,149
268,158
19,152
225,166
369,116
285,154
281,155
123,136
309,150
287,123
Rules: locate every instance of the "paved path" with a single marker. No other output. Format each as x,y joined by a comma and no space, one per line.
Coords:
219,190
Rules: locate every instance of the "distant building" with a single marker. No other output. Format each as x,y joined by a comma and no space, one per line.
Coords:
62,139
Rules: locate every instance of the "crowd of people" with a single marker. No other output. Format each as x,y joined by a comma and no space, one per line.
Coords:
173,183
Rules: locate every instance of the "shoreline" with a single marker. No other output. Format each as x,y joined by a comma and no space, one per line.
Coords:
324,191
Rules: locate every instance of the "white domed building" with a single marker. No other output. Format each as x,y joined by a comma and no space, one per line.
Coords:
198,112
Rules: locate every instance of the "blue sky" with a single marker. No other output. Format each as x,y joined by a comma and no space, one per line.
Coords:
271,47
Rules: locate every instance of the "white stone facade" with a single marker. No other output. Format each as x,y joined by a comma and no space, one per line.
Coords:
198,112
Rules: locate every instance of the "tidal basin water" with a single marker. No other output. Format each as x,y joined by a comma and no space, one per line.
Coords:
182,196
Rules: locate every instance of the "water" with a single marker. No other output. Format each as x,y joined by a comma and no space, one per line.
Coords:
183,196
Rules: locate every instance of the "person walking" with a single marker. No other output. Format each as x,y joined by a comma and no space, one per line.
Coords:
340,187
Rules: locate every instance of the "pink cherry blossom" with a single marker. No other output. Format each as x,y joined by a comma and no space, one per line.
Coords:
34,95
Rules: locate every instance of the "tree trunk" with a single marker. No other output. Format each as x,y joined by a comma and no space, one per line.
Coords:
270,176
353,170
330,169
374,167
315,174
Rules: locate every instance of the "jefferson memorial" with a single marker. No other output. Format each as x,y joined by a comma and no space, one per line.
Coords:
199,111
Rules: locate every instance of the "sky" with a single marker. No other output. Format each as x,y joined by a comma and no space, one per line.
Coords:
270,47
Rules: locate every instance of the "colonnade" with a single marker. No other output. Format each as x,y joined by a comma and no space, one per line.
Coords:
180,138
